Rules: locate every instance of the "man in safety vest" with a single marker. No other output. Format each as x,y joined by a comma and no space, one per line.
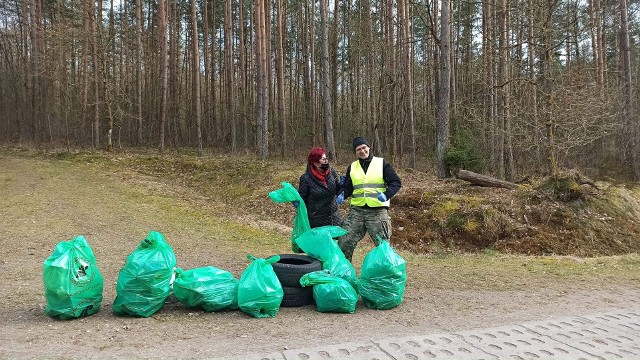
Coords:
370,182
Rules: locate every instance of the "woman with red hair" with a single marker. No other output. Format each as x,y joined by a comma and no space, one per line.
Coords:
319,187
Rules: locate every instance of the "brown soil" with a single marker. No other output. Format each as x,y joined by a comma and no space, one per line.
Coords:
215,212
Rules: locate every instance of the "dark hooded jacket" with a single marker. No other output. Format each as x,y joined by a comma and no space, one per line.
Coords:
320,199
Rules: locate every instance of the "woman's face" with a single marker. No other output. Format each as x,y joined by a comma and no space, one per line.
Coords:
323,160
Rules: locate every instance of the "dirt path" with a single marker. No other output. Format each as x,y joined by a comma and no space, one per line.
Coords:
44,202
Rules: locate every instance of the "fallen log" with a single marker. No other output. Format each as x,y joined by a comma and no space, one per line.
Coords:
484,180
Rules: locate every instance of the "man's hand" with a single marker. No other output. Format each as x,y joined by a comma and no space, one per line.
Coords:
340,198
382,197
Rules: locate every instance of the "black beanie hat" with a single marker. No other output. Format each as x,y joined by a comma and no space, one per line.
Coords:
359,140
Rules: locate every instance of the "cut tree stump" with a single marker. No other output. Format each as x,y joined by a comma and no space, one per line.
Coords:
484,180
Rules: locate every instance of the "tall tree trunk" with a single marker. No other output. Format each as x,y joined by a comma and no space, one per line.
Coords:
442,122
595,7
95,46
388,80
625,84
214,120
87,20
36,83
262,79
326,82
26,74
281,114
333,57
173,73
408,81
625,59
242,66
109,78
533,93
269,67
308,52
162,61
488,80
502,90
205,59
370,97
546,80
196,75
139,70
228,71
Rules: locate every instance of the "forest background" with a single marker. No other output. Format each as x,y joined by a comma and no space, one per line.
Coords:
513,88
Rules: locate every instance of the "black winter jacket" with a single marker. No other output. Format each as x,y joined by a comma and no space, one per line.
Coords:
319,199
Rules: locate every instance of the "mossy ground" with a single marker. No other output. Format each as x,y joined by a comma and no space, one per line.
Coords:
547,217
562,215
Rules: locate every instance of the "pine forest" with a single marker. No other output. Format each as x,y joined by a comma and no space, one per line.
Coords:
504,87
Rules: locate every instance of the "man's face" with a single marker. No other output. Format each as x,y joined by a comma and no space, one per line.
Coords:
362,151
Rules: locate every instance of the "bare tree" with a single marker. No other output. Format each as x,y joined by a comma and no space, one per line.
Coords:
162,61
597,42
206,33
196,75
547,81
408,81
627,96
309,79
242,66
139,49
326,82
389,87
174,88
281,112
531,61
442,122
262,80
228,71
109,79
505,150
489,104
35,12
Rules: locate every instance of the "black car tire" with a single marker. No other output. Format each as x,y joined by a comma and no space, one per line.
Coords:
292,267
297,296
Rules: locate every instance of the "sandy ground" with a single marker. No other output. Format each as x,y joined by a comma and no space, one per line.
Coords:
44,202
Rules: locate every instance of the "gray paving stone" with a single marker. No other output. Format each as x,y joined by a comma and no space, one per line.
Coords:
598,340
434,346
627,321
273,356
605,336
518,343
365,350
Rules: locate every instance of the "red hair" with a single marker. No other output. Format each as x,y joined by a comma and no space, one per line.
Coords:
315,154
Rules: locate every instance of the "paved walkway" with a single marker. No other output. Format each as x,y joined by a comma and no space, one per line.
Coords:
613,335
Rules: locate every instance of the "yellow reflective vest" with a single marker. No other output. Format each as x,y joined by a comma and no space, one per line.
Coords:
367,186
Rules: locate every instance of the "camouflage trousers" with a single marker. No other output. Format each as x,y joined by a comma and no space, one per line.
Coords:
359,222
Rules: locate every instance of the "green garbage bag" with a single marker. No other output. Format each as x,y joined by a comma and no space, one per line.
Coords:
383,277
144,282
319,243
331,293
259,290
209,288
72,282
289,193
